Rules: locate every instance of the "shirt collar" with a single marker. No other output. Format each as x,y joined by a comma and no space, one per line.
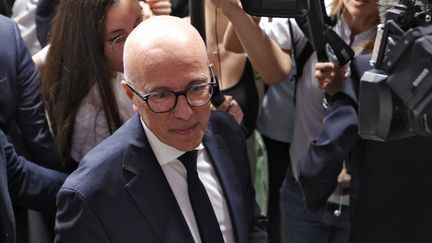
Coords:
344,32
163,152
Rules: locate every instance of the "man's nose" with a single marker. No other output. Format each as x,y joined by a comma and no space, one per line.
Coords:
182,110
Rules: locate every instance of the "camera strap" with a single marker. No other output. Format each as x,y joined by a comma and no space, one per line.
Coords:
299,60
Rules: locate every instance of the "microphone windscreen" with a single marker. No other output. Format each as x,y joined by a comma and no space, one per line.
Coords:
385,5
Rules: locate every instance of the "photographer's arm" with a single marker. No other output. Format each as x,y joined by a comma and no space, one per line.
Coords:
260,48
231,41
320,166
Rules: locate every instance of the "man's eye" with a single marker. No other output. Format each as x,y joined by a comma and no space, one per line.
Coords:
160,95
198,88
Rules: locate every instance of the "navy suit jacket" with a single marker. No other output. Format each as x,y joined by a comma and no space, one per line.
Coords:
20,97
26,184
119,192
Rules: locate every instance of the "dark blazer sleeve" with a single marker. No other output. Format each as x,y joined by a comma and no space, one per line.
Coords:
76,221
320,166
21,89
45,12
30,185
322,163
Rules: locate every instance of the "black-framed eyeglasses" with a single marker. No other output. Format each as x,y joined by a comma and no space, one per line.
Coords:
196,95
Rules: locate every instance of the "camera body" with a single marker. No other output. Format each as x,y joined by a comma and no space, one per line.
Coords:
396,96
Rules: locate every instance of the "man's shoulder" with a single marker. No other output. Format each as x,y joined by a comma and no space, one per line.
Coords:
104,163
221,121
96,170
223,126
8,28
12,47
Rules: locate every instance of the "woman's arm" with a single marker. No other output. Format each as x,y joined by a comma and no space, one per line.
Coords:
272,63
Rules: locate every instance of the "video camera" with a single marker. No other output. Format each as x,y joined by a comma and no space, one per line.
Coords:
312,19
396,96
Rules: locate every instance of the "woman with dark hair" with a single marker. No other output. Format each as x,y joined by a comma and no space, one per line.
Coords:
82,72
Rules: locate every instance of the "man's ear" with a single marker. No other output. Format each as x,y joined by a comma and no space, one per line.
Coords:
129,94
127,90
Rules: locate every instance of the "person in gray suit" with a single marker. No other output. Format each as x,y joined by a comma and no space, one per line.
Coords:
136,186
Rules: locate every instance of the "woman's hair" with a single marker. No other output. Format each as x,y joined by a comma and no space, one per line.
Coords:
75,63
336,8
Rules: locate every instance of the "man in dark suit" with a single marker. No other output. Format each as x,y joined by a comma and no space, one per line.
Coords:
25,184
22,115
135,186
20,98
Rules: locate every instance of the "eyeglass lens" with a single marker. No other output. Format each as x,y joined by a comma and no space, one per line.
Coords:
196,95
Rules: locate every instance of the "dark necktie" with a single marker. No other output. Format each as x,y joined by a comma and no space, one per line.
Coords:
204,214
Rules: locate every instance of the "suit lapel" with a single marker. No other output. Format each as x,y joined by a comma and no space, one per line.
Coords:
151,192
224,165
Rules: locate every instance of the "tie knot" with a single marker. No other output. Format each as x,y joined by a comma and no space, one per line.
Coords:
189,160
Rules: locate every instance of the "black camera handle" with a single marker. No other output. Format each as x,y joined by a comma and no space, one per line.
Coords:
316,26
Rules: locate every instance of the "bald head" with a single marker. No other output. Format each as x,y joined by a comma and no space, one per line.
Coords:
161,40
165,58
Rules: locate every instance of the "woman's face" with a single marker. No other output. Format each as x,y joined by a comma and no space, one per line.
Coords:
120,20
362,8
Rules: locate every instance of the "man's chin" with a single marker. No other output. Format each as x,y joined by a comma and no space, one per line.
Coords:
186,145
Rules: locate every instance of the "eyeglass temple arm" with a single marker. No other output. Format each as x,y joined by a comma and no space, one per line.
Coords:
133,89
217,98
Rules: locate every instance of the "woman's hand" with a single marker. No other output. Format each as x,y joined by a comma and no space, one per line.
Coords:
145,10
330,77
344,182
231,106
160,7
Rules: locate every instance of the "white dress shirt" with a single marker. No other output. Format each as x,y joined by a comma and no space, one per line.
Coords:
91,126
24,14
176,175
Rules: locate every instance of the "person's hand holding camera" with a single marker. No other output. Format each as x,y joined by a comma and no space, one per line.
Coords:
330,77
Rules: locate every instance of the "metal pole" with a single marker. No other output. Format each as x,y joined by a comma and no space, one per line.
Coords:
197,16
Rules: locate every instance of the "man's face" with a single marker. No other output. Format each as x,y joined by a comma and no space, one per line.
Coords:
183,127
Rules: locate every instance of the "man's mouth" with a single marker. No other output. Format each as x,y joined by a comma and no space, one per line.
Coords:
186,130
